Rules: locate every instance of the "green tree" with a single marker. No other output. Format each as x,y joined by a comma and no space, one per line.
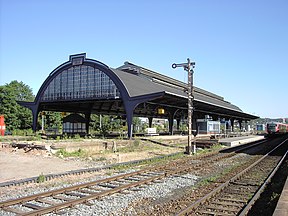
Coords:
53,120
100,124
105,124
136,124
16,116
112,124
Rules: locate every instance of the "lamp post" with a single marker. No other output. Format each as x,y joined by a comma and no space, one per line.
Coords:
189,68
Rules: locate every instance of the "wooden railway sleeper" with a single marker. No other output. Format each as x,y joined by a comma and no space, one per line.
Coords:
243,183
214,214
74,193
218,208
88,203
95,189
238,193
132,179
89,197
32,206
244,186
240,189
217,190
63,198
228,203
90,184
86,191
43,200
106,185
232,200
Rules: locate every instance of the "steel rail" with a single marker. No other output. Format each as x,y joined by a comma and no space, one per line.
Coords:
71,188
5,205
262,188
196,204
72,203
81,171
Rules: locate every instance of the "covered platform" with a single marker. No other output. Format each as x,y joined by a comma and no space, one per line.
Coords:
87,86
234,141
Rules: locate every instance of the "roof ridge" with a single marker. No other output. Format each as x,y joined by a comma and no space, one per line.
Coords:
157,77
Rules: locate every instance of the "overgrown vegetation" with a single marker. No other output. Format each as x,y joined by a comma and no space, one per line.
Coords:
215,177
137,145
79,153
133,146
16,116
156,160
211,149
41,178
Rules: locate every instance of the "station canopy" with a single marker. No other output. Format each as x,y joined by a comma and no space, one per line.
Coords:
87,86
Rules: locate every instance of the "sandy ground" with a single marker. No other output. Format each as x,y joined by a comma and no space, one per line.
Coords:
16,166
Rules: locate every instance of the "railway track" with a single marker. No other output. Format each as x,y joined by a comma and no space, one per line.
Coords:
237,195
59,200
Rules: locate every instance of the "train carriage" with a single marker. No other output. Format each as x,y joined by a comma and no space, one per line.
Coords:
276,128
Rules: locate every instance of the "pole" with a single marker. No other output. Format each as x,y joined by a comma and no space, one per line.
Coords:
42,124
100,121
189,68
190,108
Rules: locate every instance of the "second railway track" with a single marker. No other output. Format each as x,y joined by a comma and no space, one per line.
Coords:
59,200
238,194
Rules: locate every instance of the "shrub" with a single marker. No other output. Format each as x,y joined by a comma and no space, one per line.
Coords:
79,153
41,178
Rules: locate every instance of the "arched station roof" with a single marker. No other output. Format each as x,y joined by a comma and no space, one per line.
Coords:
140,81
83,85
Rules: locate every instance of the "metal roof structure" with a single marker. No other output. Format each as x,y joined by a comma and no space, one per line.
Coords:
83,85
140,81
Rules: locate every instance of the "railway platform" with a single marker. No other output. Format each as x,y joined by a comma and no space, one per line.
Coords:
234,141
282,205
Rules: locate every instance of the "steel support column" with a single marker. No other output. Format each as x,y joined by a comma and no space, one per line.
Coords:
150,119
178,123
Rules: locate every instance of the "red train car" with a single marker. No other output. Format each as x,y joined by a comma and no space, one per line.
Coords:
276,128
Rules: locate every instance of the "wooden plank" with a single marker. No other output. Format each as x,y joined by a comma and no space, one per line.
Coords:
215,213
60,197
75,194
228,203
232,200
50,202
222,208
31,205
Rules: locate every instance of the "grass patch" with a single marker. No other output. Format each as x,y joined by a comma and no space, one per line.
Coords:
213,148
208,180
100,159
217,147
152,161
214,178
79,153
41,178
137,146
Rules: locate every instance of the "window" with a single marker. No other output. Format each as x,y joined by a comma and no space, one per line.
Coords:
80,82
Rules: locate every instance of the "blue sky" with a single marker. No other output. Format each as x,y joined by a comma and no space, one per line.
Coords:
240,47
